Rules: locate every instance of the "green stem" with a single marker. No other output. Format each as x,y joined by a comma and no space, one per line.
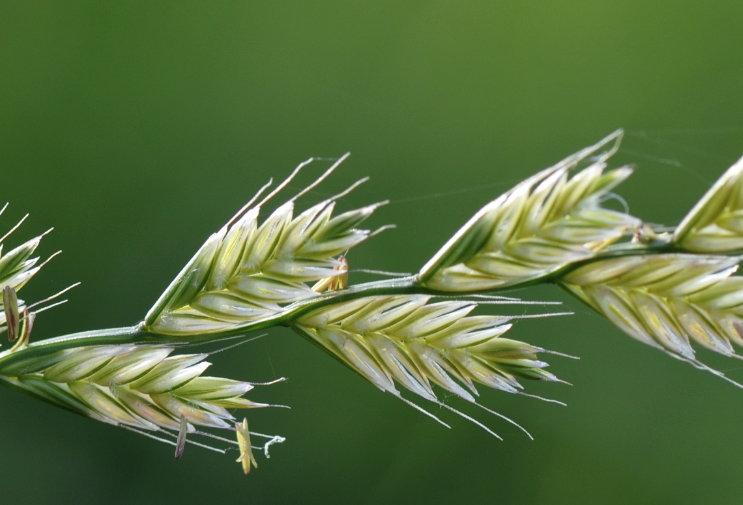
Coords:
139,334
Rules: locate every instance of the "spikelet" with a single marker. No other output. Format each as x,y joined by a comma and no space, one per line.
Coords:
667,300
715,224
406,339
249,270
17,267
543,224
138,386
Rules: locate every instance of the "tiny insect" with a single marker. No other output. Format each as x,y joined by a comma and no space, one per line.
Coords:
246,451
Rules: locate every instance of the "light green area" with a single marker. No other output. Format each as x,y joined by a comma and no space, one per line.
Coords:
136,129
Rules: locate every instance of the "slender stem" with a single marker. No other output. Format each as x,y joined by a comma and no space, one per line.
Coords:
411,285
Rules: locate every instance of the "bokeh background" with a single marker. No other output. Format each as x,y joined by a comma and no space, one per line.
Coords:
138,128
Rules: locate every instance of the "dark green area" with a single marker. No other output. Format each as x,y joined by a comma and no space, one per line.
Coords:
138,128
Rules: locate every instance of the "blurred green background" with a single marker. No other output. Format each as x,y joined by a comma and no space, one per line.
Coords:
138,128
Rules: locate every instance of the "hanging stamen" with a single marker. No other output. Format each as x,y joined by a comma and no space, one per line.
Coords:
181,442
10,305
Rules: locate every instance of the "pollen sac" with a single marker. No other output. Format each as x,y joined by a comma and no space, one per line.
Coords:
28,324
10,305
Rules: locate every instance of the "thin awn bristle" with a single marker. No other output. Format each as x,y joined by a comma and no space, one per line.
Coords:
42,309
186,345
170,442
382,228
618,198
281,186
701,366
256,434
270,383
496,300
616,137
50,258
507,419
470,419
52,297
493,297
563,382
422,410
187,440
540,316
204,446
348,190
548,400
319,180
215,437
561,354
13,228
516,302
222,349
149,435
247,206
380,272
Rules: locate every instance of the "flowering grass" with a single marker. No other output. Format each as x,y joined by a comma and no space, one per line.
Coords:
413,336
